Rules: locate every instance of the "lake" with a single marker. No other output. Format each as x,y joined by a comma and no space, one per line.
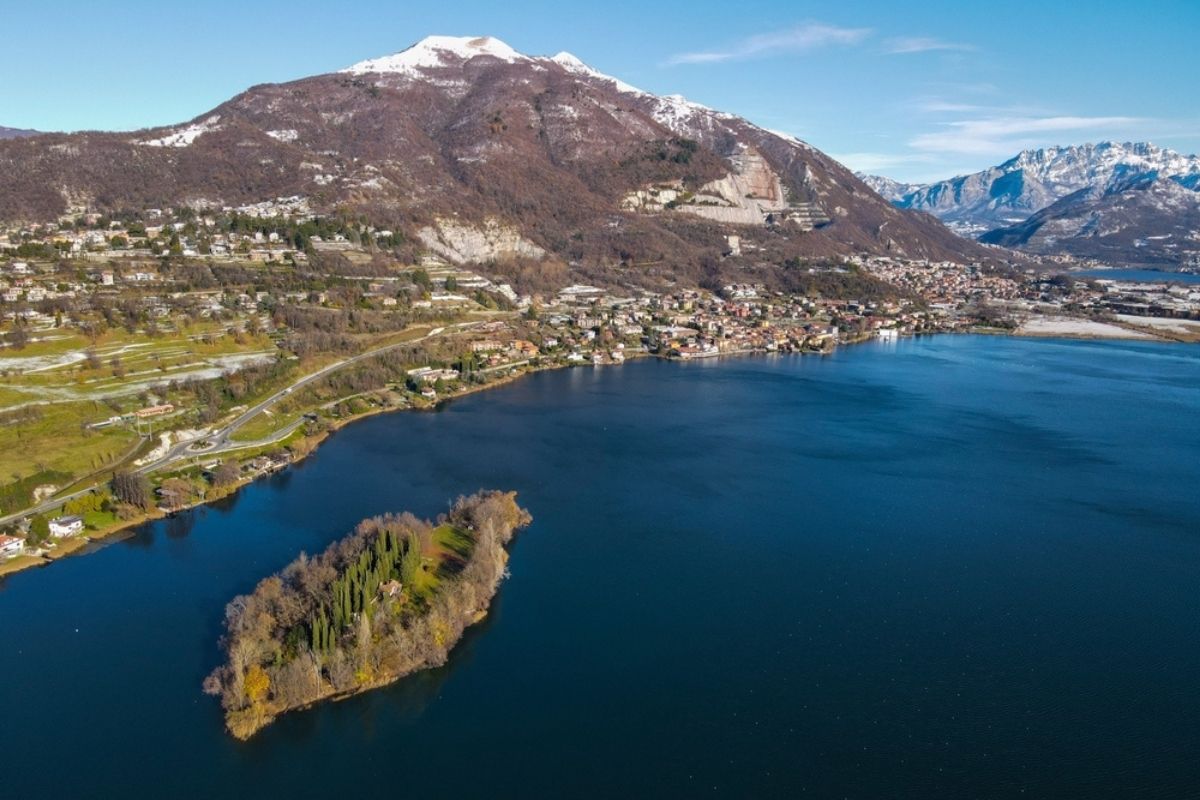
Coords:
951,566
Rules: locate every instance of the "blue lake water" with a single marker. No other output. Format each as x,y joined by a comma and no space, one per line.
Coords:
944,567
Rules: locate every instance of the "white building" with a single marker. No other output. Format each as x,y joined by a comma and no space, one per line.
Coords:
66,526
11,546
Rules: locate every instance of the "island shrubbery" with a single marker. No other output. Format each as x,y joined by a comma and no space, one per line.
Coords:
391,598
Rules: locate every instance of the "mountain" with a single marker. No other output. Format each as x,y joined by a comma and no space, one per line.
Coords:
887,188
1145,219
482,153
1034,179
15,133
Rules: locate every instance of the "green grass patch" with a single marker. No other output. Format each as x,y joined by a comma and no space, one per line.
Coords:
99,520
446,551
264,425
19,493
56,441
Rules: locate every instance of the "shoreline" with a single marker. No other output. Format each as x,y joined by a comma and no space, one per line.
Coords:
88,543
244,729
407,630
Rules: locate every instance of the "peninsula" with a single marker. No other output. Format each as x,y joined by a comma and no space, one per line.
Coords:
392,598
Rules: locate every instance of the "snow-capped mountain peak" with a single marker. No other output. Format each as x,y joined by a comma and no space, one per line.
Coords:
434,53
887,188
1099,163
437,51
463,137
1032,180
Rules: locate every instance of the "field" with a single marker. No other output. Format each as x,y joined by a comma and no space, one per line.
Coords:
64,366
446,552
264,425
66,399
53,438
61,383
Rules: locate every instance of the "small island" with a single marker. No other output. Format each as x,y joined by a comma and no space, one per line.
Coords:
388,600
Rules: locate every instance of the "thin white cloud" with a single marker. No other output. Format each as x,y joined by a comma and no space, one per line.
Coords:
909,45
1007,135
876,163
799,39
941,105
946,107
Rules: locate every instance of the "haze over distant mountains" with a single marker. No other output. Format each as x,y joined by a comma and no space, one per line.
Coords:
481,152
1131,202
15,133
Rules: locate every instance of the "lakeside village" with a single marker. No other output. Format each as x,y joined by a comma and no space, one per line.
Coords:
196,301
124,252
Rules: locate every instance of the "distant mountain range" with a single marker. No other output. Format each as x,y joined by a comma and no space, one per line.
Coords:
1131,202
481,153
1147,220
887,188
15,133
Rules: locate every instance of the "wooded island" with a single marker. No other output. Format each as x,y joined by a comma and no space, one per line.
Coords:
391,598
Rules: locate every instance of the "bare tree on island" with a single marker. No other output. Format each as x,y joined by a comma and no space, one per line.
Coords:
391,598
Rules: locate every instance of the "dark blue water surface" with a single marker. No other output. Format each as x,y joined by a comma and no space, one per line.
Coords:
948,567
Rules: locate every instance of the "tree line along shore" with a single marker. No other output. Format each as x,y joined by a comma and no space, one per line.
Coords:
391,598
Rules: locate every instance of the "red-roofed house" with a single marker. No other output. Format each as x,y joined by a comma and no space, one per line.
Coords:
11,546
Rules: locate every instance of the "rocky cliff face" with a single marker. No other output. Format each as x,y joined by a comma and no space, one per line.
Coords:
544,149
467,244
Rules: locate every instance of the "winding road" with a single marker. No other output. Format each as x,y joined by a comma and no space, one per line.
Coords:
222,439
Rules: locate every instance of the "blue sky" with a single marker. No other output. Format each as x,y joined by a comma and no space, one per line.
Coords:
913,91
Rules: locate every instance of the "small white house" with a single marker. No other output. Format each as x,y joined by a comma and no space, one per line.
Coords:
66,526
11,546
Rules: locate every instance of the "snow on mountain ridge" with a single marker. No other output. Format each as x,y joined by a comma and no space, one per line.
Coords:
1035,179
573,64
1141,218
184,136
887,188
1088,164
431,53
675,112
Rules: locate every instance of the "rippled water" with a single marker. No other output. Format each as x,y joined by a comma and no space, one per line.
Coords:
957,566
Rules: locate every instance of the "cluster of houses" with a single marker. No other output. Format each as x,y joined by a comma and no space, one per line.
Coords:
943,284
1165,299
592,325
60,528
948,287
194,233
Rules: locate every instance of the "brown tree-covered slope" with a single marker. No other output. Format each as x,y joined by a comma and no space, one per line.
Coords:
469,131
